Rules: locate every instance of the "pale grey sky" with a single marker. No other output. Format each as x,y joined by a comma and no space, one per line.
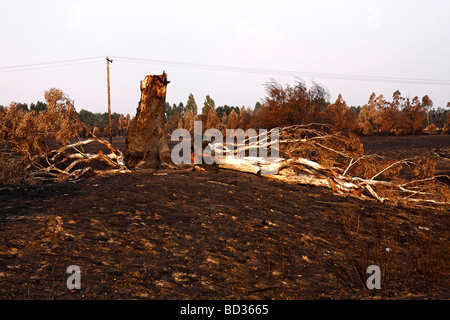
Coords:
396,39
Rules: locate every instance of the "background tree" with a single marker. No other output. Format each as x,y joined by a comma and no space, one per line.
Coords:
180,123
366,119
114,129
226,109
38,107
427,104
438,117
245,117
319,97
446,129
257,107
290,105
339,115
356,110
208,105
121,123
180,108
388,113
169,112
172,124
286,105
224,123
189,119
128,122
233,120
212,121
87,117
96,131
411,117
101,120
22,106
191,105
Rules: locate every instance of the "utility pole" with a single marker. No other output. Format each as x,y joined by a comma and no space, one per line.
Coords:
109,99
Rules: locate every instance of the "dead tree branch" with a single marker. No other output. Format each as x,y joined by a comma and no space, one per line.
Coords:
326,164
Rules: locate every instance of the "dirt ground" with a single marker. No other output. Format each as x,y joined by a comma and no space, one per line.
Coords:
220,235
410,146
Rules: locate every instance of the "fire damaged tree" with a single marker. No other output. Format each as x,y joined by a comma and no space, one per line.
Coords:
47,145
314,154
146,138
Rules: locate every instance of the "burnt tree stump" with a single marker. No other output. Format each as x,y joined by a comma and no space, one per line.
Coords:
146,144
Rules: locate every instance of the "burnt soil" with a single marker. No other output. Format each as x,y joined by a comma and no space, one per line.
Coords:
220,235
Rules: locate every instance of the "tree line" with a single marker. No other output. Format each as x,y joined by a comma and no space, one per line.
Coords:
97,123
284,105
297,104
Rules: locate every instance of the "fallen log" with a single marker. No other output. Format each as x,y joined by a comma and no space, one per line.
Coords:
301,170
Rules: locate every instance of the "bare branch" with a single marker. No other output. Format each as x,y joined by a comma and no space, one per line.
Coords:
301,170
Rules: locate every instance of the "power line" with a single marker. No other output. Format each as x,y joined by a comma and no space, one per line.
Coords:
284,72
47,63
214,67
54,64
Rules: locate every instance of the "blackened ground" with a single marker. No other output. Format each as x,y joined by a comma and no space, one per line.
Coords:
216,235
410,146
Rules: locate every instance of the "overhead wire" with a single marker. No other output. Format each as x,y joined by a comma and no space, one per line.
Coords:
283,72
54,64
215,67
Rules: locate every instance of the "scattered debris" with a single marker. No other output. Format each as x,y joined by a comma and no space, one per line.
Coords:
313,155
71,162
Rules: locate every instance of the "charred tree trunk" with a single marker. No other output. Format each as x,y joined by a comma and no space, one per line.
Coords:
146,145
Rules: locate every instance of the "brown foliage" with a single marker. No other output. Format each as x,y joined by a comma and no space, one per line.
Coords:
290,105
340,117
114,129
411,118
298,105
39,146
315,154
401,116
124,124
212,120
233,120
12,171
30,133
369,120
173,122
446,129
431,129
319,143
245,118
223,124
96,131
425,168
189,119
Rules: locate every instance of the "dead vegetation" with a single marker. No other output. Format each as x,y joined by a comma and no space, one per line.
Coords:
313,154
49,147
12,172
215,234
46,146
